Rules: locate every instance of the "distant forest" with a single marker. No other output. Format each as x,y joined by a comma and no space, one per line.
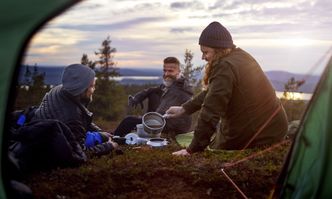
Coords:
52,76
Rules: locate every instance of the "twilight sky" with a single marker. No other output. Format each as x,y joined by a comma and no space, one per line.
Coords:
289,35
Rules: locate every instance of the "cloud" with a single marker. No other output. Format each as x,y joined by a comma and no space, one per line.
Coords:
187,5
118,25
134,7
146,31
227,5
287,18
180,30
88,6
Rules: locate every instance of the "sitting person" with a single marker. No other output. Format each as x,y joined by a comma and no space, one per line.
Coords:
174,91
237,92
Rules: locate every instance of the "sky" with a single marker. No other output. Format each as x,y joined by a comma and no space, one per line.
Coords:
287,35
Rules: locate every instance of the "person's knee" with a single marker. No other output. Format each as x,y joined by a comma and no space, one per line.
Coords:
129,118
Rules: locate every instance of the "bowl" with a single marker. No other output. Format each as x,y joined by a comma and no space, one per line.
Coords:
157,142
153,123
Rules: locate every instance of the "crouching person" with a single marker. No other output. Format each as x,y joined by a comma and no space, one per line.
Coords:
62,124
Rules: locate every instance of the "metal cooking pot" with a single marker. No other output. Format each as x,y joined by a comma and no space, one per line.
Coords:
153,123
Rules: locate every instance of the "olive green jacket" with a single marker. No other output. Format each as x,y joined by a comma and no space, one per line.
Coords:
240,95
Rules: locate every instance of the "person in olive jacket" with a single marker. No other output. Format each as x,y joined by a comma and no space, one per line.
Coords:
237,93
174,91
68,103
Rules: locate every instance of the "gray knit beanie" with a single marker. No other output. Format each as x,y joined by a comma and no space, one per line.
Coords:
76,78
216,35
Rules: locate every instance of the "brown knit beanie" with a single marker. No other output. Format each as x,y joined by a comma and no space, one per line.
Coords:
216,35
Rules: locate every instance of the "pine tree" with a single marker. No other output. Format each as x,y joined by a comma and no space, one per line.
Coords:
294,107
106,63
188,69
291,87
27,75
37,88
109,98
85,61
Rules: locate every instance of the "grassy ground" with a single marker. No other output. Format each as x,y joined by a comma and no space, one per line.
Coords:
143,172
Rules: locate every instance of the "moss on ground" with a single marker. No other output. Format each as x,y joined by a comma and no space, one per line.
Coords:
143,172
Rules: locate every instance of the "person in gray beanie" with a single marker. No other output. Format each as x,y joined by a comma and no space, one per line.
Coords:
76,78
237,97
68,103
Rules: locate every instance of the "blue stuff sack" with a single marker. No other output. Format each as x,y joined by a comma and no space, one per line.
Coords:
92,139
21,120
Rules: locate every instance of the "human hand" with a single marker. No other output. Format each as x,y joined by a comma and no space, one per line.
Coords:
174,111
107,134
182,152
133,102
114,144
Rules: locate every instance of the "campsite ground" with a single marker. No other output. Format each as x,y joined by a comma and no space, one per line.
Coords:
143,172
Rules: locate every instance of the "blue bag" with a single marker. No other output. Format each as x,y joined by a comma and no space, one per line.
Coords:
92,139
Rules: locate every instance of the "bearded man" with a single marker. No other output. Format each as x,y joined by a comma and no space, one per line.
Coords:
175,90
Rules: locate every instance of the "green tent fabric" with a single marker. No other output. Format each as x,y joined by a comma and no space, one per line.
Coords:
18,21
307,172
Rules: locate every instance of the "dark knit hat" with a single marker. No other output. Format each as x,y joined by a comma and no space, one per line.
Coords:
76,78
216,35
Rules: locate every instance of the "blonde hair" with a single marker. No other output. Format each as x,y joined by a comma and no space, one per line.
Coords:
219,54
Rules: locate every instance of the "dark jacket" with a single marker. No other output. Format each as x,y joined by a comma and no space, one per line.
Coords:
163,98
60,105
45,144
241,96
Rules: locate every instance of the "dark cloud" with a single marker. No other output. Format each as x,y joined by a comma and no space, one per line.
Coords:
187,5
117,25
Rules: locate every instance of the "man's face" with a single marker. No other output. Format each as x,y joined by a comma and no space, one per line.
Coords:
171,71
207,53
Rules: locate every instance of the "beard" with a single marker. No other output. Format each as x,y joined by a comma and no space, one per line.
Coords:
168,80
85,100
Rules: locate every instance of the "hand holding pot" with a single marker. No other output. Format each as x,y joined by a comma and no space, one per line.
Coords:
174,111
132,102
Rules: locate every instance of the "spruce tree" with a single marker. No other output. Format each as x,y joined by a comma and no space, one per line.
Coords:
109,98
27,75
85,61
105,62
188,69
